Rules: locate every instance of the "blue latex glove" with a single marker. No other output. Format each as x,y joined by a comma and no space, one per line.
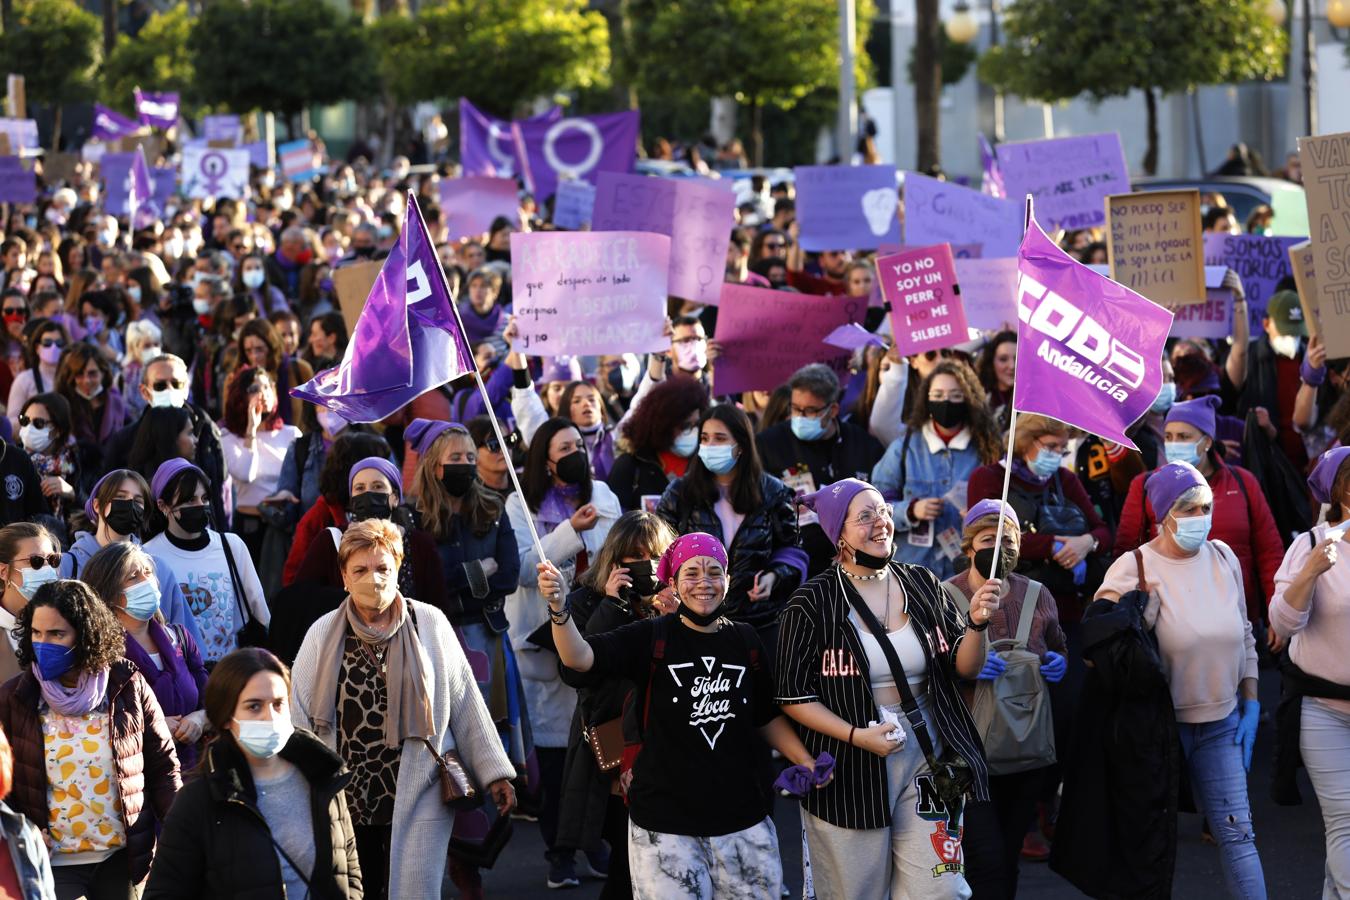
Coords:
1246,730
1053,669
994,666
1079,571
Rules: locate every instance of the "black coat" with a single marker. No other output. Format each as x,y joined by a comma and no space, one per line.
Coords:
1117,829
765,531
216,843
633,475
210,457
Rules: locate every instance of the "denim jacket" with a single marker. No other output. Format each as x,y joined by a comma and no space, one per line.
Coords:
931,469
29,855
303,484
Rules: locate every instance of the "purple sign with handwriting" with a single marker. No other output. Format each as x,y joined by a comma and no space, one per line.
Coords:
17,184
573,204
926,310
1069,177
588,293
847,207
939,212
115,174
989,292
1261,262
767,335
697,217
469,205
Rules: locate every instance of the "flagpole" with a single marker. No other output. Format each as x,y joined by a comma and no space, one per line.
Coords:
1008,456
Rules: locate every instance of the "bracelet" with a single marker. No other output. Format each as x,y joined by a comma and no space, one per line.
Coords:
852,728
971,626
560,616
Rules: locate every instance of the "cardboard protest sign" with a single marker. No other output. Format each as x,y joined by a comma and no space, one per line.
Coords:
62,167
1326,178
22,135
767,335
926,310
352,284
1211,319
847,207
1304,263
697,218
469,205
1290,205
939,212
1261,262
210,172
1154,245
588,293
17,184
989,292
574,204
1070,177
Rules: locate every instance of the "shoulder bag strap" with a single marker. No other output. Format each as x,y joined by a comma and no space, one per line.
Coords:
957,595
1029,600
295,868
235,580
1139,567
904,460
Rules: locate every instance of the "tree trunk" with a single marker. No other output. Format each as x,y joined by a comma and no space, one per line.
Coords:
757,131
109,26
927,84
56,127
6,13
1151,155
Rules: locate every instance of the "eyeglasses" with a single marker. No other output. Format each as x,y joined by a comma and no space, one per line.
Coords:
165,384
39,424
15,311
809,412
934,354
775,245
37,561
1061,449
870,517
692,339
494,446
52,342
953,396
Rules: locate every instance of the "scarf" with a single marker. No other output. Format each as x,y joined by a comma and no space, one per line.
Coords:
87,695
1021,470
480,328
407,673
557,507
173,685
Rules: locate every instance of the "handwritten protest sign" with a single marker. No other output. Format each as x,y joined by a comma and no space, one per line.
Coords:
1211,319
959,251
989,292
1070,177
846,207
352,284
469,205
1304,263
574,204
697,218
1153,245
926,310
590,293
939,212
22,135
767,335
211,172
17,184
1326,178
1261,262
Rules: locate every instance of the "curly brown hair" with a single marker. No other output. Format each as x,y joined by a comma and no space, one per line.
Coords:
99,638
238,398
654,425
983,432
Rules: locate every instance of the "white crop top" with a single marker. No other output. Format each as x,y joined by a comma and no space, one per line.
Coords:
907,647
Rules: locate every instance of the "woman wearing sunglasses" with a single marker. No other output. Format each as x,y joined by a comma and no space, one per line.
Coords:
29,558
46,342
493,458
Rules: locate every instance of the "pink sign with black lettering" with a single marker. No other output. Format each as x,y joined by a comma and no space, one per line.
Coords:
926,309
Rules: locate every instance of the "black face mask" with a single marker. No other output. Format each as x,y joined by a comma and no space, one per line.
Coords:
370,505
363,252
616,381
193,519
125,517
457,477
867,560
1007,561
574,468
949,413
643,574
701,619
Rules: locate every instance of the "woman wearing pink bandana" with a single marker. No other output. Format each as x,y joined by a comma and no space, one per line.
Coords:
700,801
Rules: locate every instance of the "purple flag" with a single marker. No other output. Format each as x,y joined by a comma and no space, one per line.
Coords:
486,146
157,109
580,146
109,124
407,341
140,192
1090,350
991,184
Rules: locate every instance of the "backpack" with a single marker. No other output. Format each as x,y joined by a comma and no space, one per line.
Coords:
1012,712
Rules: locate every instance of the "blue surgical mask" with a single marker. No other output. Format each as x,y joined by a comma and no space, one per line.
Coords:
264,738
1166,397
142,600
807,428
686,443
719,459
1045,463
1192,531
1182,451
34,579
53,660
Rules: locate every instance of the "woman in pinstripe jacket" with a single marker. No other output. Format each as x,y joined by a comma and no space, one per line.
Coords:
880,830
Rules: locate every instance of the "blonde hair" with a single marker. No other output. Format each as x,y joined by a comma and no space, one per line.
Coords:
1031,428
984,523
371,534
139,335
479,507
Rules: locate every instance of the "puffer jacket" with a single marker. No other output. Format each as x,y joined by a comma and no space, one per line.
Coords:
217,844
768,540
147,767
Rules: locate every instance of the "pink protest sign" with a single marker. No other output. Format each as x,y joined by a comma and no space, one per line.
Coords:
989,292
470,204
959,251
926,309
767,335
697,216
590,293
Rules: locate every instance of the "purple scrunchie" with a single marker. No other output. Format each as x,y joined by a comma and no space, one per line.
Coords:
795,781
1310,376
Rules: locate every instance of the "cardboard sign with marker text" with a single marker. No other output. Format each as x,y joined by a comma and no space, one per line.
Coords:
1154,245
352,284
1326,178
1303,263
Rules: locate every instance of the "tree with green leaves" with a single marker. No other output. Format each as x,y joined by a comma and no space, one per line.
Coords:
279,55
54,45
500,54
156,59
1058,49
759,55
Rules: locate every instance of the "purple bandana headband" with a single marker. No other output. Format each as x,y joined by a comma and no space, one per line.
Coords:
685,548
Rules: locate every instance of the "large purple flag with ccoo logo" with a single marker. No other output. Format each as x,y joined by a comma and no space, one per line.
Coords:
1089,350
407,341
486,145
579,147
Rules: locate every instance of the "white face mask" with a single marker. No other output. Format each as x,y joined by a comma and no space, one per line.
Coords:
1285,345
148,354
35,440
264,738
201,307
98,389
253,279
134,293
173,248
169,397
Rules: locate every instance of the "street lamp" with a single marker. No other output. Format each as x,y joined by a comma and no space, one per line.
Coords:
1338,13
1277,12
962,27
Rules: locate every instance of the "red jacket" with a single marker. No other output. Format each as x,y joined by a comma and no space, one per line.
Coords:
317,518
1249,530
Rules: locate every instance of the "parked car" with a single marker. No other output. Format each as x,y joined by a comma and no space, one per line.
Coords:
1243,193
